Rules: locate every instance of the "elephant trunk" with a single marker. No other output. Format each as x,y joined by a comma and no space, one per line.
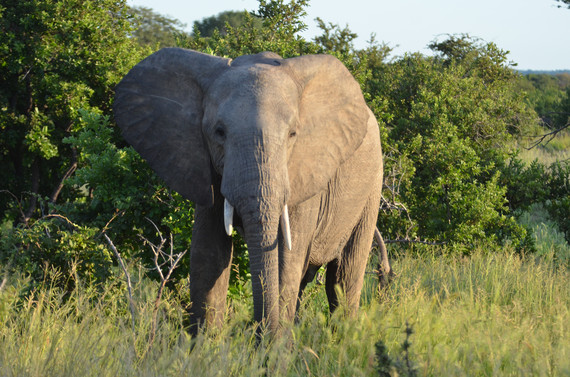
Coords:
255,182
261,235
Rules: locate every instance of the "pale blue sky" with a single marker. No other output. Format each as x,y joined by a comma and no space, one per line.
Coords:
536,32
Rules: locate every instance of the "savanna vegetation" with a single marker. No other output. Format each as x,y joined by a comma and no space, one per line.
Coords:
475,209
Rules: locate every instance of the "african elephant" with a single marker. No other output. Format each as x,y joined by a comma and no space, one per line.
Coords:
284,149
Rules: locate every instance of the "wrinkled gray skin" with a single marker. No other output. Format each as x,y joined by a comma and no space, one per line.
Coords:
261,132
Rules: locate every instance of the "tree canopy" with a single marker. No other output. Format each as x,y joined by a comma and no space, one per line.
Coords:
153,29
234,19
57,57
447,121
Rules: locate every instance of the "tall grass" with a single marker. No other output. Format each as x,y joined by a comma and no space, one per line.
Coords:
487,314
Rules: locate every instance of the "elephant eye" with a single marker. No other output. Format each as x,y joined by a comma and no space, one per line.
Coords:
292,133
220,132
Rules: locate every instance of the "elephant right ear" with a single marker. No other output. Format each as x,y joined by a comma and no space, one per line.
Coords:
158,106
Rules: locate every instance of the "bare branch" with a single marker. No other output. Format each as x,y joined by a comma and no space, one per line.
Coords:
385,272
128,277
55,215
68,173
117,214
5,278
171,261
549,135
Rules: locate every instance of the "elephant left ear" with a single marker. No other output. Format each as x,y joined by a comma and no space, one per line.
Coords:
333,119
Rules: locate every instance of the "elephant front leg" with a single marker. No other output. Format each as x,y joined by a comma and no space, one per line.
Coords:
210,263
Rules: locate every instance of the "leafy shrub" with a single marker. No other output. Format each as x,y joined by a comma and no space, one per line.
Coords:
558,205
446,123
449,124
537,183
57,57
54,242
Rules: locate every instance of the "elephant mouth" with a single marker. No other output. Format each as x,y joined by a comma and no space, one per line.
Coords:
284,221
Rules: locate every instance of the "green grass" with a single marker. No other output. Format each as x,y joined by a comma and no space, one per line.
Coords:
483,315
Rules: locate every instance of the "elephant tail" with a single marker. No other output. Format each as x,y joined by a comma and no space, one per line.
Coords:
385,272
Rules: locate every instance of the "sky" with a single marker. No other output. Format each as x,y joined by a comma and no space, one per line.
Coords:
535,32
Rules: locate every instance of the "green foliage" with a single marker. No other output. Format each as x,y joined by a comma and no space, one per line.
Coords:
537,183
151,29
450,121
558,204
57,57
335,39
278,33
549,95
54,242
549,240
526,184
562,116
207,27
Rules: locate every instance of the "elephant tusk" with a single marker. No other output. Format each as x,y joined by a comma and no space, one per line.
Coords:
228,217
285,228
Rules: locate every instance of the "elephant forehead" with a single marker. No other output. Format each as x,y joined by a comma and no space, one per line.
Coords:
259,83
254,95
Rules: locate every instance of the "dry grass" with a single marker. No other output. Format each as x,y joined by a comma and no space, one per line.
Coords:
557,149
488,314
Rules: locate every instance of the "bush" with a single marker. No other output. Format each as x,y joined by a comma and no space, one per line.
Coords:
54,242
558,205
536,183
449,122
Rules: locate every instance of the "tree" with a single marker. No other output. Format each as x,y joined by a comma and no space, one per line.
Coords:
335,39
57,57
219,22
281,25
450,120
60,61
153,29
567,2
546,94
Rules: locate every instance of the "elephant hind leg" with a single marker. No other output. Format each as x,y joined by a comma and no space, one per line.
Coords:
348,271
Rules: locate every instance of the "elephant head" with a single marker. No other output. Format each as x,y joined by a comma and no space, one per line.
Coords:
270,132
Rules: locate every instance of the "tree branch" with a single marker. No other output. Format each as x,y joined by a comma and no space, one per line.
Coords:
550,135
68,173
171,260
128,277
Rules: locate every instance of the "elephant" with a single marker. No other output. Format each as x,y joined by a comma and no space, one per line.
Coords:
284,150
